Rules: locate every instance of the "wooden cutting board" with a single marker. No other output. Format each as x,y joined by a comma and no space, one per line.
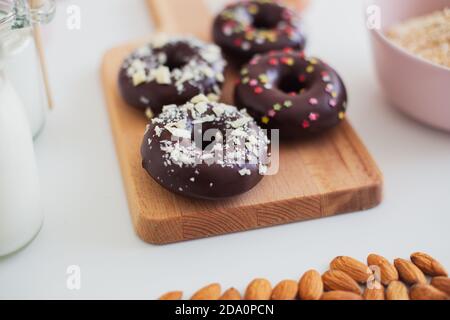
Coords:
321,177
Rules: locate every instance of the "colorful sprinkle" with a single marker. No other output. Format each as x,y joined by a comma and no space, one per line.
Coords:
313,116
277,106
287,104
289,31
287,60
249,29
313,101
253,9
250,35
325,76
253,82
258,90
287,50
245,80
305,124
271,113
259,40
302,78
329,88
333,103
244,71
341,115
310,69
246,46
263,78
313,61
273,61
334,94
265,120
227,31
272,37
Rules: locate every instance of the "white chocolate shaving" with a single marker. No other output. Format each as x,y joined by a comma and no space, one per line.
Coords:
181,133
240,122
244,172
199,98
162,75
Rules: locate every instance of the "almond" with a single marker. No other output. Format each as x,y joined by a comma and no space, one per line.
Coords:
172,295
339,280
408,272
388,272
231,294
340,295
428,264
441,283
426,292
357,270
210,292
310,286
376,292
397,291
258,289
285,290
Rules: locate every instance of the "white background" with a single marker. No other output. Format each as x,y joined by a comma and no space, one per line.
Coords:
87,220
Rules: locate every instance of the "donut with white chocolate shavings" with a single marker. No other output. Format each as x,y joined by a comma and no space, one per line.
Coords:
285,90
246,28
171,70
205,150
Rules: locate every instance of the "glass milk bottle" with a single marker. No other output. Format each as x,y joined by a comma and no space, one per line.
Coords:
19,58
21,213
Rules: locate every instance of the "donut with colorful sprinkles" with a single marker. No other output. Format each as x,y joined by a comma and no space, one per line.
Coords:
204,149
246,28
285,90
171,70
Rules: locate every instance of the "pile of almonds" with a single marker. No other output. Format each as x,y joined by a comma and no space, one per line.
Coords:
347,279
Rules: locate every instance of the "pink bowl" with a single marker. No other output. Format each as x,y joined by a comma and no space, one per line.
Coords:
416,86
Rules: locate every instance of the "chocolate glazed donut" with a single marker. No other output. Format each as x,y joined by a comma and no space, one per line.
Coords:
284,90
254,27
171,71
228,166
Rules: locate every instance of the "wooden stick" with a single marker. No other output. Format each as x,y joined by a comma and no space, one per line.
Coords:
40,51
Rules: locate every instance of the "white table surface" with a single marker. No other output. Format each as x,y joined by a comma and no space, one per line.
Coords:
87,219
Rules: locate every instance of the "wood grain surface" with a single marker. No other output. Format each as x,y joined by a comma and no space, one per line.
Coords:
320,177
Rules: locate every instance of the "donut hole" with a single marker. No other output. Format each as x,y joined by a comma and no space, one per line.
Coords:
179,55
266,22
290,84
267,17
175,62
